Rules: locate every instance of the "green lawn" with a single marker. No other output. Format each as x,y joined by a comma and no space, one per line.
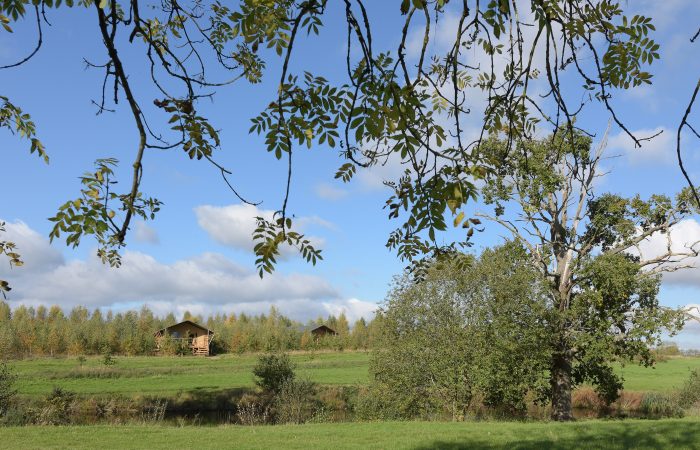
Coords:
638,434
165,376
665,376
169,375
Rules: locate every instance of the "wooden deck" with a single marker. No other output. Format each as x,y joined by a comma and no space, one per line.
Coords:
198,348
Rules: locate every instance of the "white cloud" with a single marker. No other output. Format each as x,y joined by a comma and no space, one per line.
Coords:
35,250
683,235
205,284
327,191
658,150
353,308
233,225
144,233
373,178
442,36
689,336
693,310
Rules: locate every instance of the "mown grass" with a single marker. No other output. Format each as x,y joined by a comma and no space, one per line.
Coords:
638,434
166,376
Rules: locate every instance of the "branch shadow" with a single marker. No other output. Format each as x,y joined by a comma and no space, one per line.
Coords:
607,435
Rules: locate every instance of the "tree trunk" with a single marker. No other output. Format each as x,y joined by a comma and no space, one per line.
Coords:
561,387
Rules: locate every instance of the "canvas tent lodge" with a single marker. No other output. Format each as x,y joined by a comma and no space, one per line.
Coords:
322,331
196,336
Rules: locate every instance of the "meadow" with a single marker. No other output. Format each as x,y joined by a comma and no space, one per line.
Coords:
171,376
167,376
590,434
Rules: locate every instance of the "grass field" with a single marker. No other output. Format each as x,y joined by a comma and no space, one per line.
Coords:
165,376
665,376
594,434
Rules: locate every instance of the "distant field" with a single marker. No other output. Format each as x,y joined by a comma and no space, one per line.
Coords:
613,434
665,376
165,376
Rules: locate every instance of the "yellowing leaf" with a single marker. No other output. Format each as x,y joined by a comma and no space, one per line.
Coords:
459,218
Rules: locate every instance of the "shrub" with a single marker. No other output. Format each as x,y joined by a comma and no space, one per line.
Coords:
108,359
16,416
105,408
657,405
272,371
587,398
251,410
689,394
296,401
57,408
7,389
339,399
374,403
171,346
629,402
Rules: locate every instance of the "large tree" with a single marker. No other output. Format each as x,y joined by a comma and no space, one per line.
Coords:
593,250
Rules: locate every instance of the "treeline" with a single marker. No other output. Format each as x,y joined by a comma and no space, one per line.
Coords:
28,331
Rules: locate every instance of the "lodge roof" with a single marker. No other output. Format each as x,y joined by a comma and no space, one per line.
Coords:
314,327
185,322
324,328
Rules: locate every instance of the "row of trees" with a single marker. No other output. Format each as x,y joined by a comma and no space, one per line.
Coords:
26,331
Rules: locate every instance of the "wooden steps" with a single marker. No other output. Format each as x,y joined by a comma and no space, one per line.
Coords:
200,351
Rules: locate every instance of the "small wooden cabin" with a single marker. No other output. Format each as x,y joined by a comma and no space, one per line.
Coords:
322,331
197,337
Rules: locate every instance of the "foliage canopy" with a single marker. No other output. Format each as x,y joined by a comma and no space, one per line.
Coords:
479,328
388,108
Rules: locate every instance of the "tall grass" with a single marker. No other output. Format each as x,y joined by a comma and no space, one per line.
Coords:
113,372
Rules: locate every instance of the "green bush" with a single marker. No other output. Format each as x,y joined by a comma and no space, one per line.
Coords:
296,401
16,416
273,371
689,394
375,404
7,389
466,336
108,359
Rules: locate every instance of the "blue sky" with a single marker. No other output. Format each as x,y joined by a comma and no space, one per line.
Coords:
195,255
